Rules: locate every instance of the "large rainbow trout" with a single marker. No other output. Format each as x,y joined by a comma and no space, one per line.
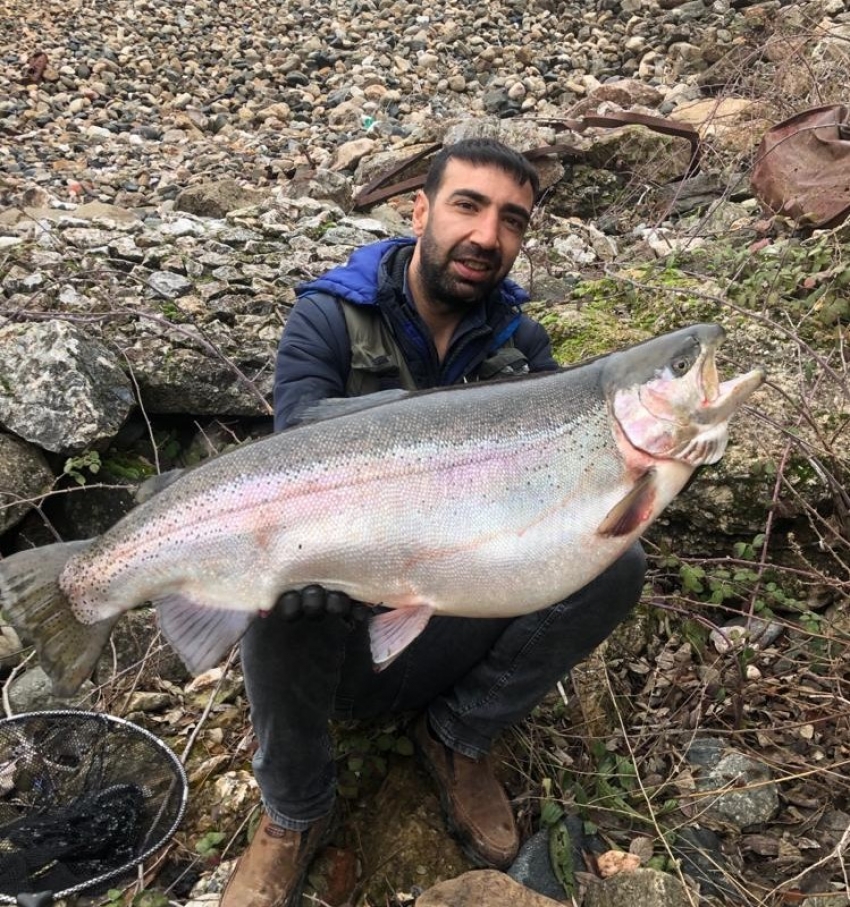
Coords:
486,500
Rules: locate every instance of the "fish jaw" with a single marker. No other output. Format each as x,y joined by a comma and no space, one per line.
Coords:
684,414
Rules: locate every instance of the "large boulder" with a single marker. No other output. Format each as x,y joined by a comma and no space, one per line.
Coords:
483,886
60,389
646,887
218,198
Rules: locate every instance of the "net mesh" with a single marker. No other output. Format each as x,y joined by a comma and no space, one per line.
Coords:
83,798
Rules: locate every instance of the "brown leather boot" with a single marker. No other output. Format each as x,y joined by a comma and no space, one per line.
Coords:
271,871
477,809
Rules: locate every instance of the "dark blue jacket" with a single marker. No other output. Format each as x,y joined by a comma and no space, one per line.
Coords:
314,355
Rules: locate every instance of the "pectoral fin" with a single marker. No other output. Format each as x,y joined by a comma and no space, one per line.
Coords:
633,510
392,632
202,636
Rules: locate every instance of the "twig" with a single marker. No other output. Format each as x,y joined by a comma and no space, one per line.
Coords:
208,707
7,704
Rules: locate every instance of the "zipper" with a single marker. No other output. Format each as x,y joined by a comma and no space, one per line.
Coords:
460,361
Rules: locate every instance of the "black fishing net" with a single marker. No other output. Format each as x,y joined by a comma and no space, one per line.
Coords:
83,798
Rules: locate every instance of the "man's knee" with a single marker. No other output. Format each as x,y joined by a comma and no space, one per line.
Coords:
624,579
633,566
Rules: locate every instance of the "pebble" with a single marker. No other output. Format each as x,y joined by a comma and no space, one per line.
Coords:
143,95
169,285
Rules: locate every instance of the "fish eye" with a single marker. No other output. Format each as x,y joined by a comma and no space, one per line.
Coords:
676,368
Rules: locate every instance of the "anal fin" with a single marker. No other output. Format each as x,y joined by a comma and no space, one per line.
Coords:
202,636
634,509
392,632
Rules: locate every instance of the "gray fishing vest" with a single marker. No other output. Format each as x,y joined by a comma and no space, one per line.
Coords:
376,354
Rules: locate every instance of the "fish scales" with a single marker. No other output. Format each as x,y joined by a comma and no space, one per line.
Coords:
429,504
485,500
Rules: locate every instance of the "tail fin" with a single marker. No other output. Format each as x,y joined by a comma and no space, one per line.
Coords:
32,600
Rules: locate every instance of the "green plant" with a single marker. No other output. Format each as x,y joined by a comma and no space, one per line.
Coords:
171,311
125,466
74,466
561,856
208,845
117,897
612,786
150,899
168,444
363,756
737,582
114,898
803,282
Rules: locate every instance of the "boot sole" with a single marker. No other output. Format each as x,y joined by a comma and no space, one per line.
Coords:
466,845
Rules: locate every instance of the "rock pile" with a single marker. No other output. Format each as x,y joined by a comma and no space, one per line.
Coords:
138,99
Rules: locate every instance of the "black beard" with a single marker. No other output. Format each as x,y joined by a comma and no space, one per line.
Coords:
454,295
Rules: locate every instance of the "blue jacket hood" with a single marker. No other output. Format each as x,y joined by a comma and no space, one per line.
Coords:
358,279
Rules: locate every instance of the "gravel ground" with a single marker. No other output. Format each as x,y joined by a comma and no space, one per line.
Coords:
140,98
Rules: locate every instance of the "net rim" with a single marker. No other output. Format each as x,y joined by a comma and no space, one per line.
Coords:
179,773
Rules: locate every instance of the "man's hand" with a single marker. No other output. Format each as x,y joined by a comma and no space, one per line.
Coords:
313,602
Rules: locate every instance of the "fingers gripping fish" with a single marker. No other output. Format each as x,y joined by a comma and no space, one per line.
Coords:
488,500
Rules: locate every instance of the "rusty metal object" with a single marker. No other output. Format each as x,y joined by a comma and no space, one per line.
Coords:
387,185
383,187
802,167
34,70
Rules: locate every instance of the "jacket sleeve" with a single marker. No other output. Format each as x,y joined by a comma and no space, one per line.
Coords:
531,338
313,358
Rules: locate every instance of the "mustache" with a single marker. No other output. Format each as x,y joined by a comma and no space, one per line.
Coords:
490,257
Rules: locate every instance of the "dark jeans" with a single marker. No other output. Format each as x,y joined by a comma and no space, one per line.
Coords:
476,676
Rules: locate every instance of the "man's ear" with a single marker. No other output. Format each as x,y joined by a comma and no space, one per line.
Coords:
420,213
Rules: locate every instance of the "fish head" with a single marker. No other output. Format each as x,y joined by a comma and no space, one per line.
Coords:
667,397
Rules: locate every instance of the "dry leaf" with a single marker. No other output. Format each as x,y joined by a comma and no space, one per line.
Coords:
763,845
614,861
205,681
642,848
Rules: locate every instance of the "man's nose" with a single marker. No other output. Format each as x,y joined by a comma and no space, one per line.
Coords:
486,231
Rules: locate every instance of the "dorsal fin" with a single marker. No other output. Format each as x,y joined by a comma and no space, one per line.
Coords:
332,407
155,484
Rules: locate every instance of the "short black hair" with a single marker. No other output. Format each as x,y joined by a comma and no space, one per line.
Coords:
482,152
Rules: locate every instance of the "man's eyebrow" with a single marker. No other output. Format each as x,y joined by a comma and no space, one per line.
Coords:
510,207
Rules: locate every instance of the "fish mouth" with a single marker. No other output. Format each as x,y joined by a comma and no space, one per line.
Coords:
712,400
682,411
722,398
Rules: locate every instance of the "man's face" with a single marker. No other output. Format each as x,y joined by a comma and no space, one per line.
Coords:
469,234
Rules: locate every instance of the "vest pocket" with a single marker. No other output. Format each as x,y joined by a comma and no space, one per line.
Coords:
371,373
502,364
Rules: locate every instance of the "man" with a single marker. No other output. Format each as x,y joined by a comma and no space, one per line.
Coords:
413,313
